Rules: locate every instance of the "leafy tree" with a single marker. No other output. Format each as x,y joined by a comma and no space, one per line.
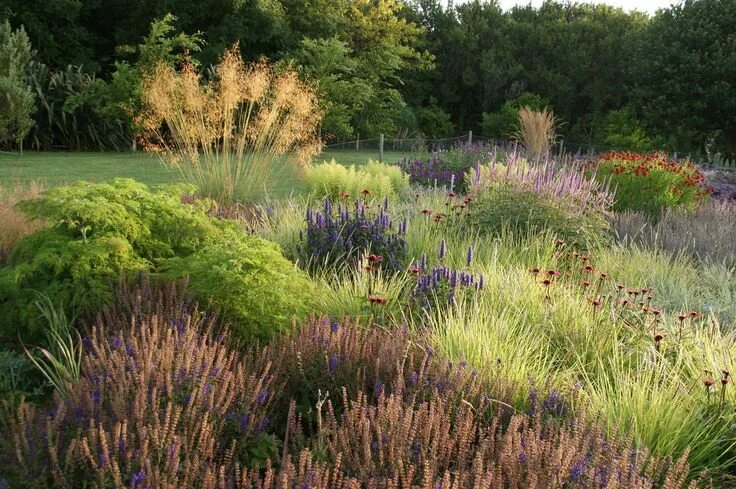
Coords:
502,124
685,75
16,97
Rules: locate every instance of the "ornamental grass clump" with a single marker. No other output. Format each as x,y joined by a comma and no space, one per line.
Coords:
344,234
336,181
16,224
651,182
232,135
536,129
707,233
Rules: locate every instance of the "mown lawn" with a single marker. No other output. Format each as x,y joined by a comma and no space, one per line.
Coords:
51,168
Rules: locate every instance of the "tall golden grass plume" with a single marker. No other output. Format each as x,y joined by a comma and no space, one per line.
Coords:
536,129
15,224
232,134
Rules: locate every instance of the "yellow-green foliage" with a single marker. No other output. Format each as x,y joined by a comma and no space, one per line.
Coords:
333,179
248,281
97,232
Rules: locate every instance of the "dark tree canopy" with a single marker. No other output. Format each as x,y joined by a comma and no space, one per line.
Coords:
612,77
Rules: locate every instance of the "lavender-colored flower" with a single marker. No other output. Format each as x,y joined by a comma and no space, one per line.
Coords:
262,396
469,258
333,362
443,249
522,457
578,470
139,478
378,387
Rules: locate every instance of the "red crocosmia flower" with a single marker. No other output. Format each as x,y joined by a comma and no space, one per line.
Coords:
375,259
377,299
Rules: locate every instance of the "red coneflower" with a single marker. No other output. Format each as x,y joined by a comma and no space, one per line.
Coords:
451,195
415,270
594,301
546,282
553,273
376,299
344,195
588,268
695,314
585,258
468,200
604,275
438,217
534,270
585,283
659,337
365,192
620,286
375,259
560,242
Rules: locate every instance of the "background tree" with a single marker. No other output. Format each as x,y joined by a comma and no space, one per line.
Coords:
16,97
685,75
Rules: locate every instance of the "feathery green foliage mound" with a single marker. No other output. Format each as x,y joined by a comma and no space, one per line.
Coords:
248,281
99,231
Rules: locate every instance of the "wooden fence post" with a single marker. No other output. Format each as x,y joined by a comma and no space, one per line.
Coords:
357,141
380,148
470,137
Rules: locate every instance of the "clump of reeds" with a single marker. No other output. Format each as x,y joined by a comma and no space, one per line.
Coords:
233,134
536,129
15,224
709,232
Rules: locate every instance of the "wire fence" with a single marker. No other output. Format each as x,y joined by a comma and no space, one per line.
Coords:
561,148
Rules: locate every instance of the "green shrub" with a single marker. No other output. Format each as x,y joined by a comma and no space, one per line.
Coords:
248,281
333,179
526,212
501,124
97,232
652,182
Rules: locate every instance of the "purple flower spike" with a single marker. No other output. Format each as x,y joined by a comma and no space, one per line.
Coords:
470,255
443,249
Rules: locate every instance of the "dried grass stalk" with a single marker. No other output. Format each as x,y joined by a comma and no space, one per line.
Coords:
537,129
233,134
